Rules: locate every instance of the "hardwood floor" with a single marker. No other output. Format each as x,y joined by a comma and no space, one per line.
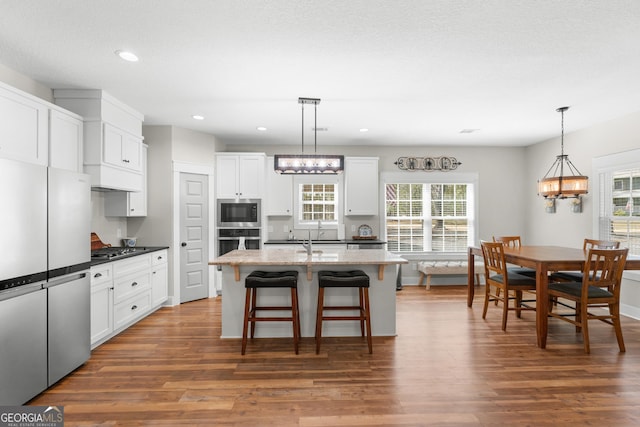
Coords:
446,367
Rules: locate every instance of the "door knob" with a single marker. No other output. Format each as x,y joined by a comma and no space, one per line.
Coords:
183,244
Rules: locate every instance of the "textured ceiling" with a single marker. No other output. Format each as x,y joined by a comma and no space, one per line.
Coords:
412,72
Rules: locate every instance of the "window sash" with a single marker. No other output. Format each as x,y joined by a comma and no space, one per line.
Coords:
411,207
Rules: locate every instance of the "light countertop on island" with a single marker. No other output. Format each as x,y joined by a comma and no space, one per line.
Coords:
319,257
380,265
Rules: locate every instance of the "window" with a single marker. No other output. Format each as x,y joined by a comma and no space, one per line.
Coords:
318,202
424,217
318,198
618,190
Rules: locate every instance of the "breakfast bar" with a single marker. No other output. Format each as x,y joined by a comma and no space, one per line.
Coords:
380,265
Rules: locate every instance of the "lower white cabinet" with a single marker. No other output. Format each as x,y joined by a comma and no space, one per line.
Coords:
101,302
159,278
125,291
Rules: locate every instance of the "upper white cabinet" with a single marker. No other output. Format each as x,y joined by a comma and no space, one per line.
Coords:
361,185
280,192
129,203
239,175
122,149
65,140
112,138
23,127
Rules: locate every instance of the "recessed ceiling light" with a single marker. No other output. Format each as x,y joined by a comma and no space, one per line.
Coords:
364,130
469,130
127,56
261,128
198,117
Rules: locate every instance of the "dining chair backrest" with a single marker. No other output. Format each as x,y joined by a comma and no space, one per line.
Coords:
603,268
599,244
494,262
508,241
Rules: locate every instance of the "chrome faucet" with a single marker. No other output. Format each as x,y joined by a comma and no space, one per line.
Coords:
307,246
320,233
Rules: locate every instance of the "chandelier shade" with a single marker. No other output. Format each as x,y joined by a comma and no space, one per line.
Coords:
308,164
563,180
288,164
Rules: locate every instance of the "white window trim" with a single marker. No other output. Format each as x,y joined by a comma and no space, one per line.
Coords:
607,165
317,179
418,177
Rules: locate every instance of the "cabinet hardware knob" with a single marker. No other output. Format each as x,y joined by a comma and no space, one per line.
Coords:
134,284
97,275
183,244
134,307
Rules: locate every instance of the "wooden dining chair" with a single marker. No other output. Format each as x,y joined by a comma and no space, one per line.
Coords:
508,286
600,285
588,244
515,242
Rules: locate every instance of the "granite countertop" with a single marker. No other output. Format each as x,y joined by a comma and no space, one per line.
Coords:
300,257
319,257
327,242
139,250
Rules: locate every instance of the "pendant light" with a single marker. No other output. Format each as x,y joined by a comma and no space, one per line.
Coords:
309,163
557,185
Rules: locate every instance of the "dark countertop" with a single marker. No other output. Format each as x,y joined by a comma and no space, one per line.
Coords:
326,242
140,250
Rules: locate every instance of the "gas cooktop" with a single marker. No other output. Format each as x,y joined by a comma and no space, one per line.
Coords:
112,252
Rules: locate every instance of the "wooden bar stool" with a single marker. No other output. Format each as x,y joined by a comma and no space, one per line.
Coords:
270,279
344,279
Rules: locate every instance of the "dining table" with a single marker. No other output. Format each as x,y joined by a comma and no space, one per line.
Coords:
544,259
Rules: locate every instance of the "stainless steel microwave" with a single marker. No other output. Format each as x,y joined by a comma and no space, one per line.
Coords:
238,213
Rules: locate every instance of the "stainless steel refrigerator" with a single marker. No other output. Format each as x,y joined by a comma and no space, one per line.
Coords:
45,217
69,257
23,270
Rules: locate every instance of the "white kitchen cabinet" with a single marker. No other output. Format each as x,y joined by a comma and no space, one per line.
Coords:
125,291
129,203
280,192
23,127
131,290
159,278
122,149
101,302
112,138
65,140
239,176
361,186
130,277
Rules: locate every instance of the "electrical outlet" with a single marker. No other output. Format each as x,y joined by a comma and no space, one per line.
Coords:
119,233
353,227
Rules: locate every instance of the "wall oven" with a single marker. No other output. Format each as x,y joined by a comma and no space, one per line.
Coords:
242,213
230,238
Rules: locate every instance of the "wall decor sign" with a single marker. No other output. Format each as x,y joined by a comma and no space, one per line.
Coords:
427,164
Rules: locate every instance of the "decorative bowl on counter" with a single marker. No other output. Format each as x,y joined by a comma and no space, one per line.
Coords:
129,242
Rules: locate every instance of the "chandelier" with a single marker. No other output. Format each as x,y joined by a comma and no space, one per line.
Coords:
309,163
557,185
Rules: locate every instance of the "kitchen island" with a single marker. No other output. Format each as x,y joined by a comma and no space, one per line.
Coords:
380,265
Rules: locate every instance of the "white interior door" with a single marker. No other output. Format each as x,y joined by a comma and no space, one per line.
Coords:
194,240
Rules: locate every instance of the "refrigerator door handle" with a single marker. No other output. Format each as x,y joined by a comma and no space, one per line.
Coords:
65,279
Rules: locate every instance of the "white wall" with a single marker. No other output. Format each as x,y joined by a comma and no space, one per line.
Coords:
20,81
502,207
